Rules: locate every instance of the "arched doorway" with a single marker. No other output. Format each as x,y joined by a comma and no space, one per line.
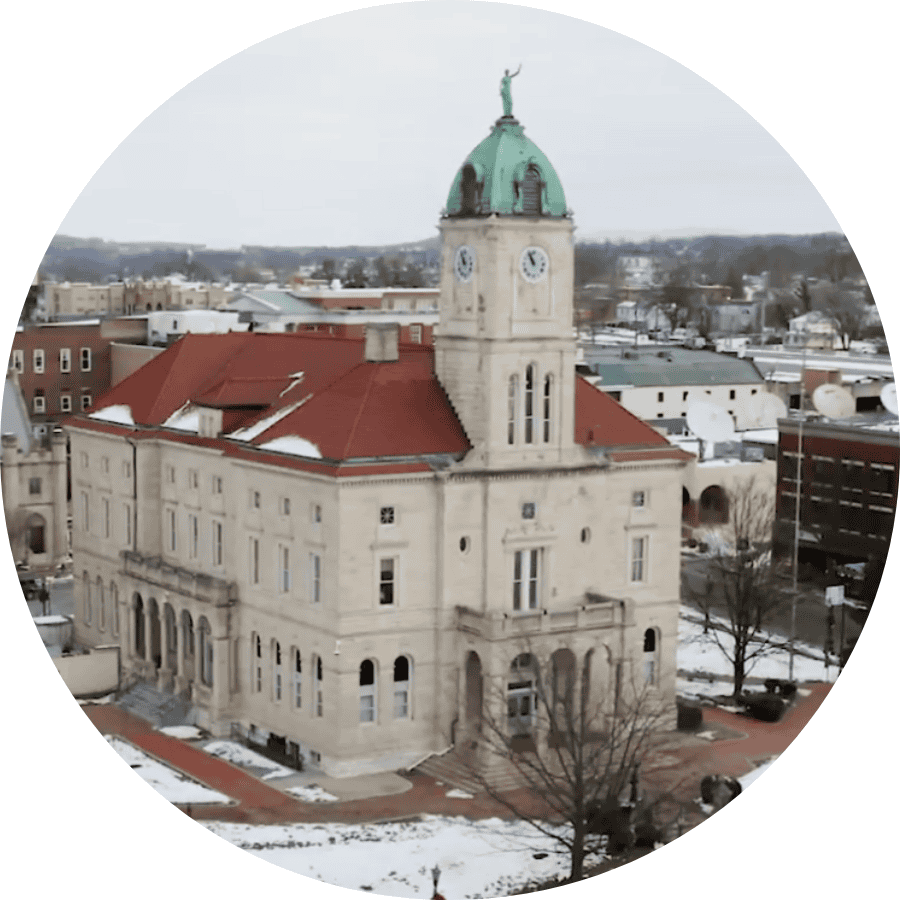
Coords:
713,506
154,636
521,696
562,690
474,693
140,638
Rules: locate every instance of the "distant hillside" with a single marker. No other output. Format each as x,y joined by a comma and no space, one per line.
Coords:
714,257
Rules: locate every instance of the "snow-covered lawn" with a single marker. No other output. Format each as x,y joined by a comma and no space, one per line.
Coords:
174,786
240,755
705,671
490,858
311,793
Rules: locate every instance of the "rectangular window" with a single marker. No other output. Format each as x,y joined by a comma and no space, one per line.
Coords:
386,582
315,578
40,403
37,362
526,579
107,530
216,543
126,514
386,515
216,484
638,559
85,359
65,403
639,499
65,359
316,514
193,536
684,395
173,537
18,360
85,512
86,401
660,396
126,469
415,334
254,561
285,506
170,474
255,500
34,486
284,569
104,464
193,479
731,394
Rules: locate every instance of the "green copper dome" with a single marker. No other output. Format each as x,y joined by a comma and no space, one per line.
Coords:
506,174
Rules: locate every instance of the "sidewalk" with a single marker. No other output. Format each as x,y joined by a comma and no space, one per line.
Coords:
734,745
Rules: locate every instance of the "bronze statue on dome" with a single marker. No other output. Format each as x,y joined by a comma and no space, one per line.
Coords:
506,90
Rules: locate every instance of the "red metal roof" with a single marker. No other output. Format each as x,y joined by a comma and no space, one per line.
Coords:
348,408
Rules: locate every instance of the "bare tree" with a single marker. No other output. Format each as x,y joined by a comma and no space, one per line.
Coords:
849,314
741,598
579,759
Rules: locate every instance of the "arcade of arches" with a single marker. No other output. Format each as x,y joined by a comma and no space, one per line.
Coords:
711,508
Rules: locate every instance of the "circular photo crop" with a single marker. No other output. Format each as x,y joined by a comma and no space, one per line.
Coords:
450,450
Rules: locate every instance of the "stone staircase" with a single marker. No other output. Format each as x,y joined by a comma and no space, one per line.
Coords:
451,768
151,705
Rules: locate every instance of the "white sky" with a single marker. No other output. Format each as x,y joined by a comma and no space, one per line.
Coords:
350,130
823,84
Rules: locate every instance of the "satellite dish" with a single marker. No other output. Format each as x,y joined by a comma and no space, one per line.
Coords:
710,422
833,401
889,397
764,410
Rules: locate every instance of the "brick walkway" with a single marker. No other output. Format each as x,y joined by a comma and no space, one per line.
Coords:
684,761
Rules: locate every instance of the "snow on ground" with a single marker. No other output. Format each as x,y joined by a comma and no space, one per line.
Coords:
243,756
698,655
311,793
174,786
490,858
182,732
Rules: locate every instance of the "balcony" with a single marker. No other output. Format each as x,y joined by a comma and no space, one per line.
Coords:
152,570
495,625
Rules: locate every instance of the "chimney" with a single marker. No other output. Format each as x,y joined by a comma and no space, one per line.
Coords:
382,342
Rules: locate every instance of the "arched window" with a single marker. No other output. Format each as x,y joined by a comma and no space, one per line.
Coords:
548,389
276,671
529,403
101,605
256,665
114,604
521,695
206,653
297,675
651,657
402,687
531,192
318,690
367,693
86,590
512,408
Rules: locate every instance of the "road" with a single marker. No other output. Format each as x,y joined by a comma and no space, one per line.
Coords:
812,613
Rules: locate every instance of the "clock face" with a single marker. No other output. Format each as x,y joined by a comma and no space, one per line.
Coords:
533,264
464,263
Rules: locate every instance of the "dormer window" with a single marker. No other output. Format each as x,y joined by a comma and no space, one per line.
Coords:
531,192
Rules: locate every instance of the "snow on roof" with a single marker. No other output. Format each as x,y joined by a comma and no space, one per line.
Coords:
760,435
293,444
257,428
120,413
185,419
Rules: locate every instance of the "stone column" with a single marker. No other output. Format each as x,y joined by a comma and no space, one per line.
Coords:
148,634
180,677
164,674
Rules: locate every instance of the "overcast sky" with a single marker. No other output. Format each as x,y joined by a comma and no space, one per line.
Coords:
349,130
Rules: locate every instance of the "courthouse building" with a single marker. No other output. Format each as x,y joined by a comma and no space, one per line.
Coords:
353,546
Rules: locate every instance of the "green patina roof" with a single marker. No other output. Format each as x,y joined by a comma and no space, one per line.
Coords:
500,162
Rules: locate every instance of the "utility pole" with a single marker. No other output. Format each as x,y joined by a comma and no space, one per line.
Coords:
799,484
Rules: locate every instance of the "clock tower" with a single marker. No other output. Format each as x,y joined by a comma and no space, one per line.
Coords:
505,349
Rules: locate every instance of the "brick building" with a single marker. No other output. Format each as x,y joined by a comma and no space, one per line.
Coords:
848,488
